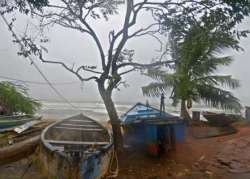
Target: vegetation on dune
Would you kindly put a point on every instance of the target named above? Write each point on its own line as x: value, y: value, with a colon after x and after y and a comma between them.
x: 198, y: 57
x: 14, y: 99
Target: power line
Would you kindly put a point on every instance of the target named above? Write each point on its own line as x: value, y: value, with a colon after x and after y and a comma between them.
x: 37, y: 82
x: 35, y: 65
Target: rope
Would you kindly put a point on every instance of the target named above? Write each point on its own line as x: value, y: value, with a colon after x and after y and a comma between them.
x: 35, y: 65
x: 37, y: 82
x: 114, y: 173
x: 27, y: 168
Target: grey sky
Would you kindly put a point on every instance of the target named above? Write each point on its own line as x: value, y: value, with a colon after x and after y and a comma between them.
x: 76, y: 48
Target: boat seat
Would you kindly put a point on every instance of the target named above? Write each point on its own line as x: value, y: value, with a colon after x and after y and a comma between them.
x: 78, y: 125
x: 80, y: 129
x: 78, y: 120
x: 76, y: 142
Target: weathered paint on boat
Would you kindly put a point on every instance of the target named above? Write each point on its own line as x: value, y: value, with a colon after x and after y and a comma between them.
x: 60, y: 161
x: 140, y: 111
x: 153, y: 130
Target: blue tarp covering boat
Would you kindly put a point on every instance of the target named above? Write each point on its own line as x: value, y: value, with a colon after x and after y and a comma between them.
x: 154, y: 130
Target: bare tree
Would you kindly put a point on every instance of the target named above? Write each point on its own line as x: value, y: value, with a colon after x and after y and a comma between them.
x: 116, y: 61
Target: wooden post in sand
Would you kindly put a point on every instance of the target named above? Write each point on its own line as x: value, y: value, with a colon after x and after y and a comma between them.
x: 196, y: 116
x: 247, y: 113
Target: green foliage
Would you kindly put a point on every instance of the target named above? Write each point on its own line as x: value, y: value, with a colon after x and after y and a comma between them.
x: 238, y: 8
x: 14, y: 99
x: 23, y: 6
x: 222, y: 14
x: 197, y: 61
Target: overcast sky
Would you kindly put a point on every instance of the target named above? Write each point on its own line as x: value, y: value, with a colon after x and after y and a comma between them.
x: 76, y: 48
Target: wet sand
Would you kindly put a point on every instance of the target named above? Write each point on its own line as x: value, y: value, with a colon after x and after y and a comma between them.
x: 196, y: 160
x: 23, y: 169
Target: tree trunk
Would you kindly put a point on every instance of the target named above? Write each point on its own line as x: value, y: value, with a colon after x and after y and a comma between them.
x: 184, y: 113
x: 114, y: 119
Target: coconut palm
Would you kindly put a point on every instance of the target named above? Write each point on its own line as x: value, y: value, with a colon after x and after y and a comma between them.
x: 14, y: 99
x: 194, y: 78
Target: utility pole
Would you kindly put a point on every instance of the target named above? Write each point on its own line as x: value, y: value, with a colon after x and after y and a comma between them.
x: 162, y: 106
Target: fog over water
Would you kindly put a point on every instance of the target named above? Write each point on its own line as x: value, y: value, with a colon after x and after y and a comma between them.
x: 76, y: 48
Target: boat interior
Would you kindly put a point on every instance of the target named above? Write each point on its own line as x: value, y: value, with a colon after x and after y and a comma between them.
x: 76, y: 134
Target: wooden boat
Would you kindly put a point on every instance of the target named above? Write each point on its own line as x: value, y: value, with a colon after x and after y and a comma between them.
x: 15, y: 146
x: 14, y: 116
x: 77, y: 148
x: 221, y: 119
x: 18, y: 151
x: 7, y: 122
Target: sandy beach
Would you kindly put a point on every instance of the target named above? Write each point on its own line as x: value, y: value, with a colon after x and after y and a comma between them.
x: 197, y: 159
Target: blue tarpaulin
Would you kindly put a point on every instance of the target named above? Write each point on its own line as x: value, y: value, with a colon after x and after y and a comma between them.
x: 152, y: 129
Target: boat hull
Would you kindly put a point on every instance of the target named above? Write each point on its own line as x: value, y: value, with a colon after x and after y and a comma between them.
x: 10, y: 123
x: 220, y: 119
x: 19, y: 150
x: 53, y: 165
x: 56, y: 163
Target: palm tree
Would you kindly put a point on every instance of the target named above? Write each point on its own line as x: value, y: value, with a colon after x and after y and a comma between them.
x: 14, y: 99
x: 194, y: 78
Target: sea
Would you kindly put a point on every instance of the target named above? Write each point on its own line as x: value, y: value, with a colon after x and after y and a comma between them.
x: 60, y: 110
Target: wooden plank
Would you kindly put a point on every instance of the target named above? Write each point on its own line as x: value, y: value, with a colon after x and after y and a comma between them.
x: 80, y: 129
x: 76, y: 142
x: 26, y: 126
x: 58, y: 148
x: 80, y: 120
x: 247, y: 113
x: 79, y: 125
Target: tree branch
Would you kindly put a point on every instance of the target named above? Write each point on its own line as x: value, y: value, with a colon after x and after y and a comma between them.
x: 144, y: 31
x: 68, y: 68
x: 139, y: 65
x: 124, y: 31
x: 128, y: 71
x: 87, y: 69
x: 91, y: 32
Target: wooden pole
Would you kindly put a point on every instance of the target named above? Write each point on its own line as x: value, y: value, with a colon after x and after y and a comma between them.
x: 247, y: 113
x: 196, y: 116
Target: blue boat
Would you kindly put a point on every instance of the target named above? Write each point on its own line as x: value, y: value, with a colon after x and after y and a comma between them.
x: 76, y: 147
x: 10, y: 122
x: 152, y: 129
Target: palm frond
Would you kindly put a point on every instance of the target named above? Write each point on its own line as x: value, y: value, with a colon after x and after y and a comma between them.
x: 156, y: 74
x: 14, y: 98
x: 220, y: 40
x: 224, y: 61
x: 226, y: 81
x: 208, y: 65
x: 170, y: 80
x: 219, y: 80
x: 155, y: 89
x: 216, y: 97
